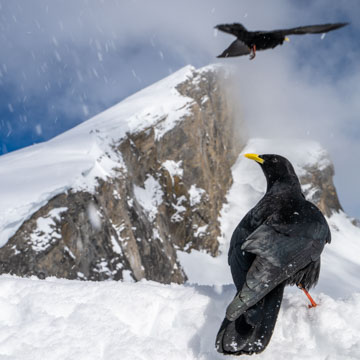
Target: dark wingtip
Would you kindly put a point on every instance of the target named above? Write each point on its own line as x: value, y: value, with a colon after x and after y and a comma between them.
x: 223, y: 55
x: 340, y: 25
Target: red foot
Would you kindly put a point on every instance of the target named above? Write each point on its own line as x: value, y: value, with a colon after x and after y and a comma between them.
x: 253, y: 52
x: 313, y: 303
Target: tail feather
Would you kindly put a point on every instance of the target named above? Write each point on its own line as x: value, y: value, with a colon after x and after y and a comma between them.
x: 252, y: 331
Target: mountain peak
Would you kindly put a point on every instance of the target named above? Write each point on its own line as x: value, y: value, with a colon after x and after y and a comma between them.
x: 80, y: 156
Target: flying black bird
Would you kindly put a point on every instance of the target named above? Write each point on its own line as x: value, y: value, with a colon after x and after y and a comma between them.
x: 277, y: 243
x: 248, y: 42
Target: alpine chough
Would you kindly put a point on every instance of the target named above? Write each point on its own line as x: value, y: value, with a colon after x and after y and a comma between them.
x: 248, y: 42
x: 277, y: 243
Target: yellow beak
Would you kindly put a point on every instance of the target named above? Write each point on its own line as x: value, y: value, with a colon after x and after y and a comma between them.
x: 255, y: 157
x: 286, y: 39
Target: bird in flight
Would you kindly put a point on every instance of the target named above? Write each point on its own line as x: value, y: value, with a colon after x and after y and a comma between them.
x: 277, y: 243
x: 248, y: 42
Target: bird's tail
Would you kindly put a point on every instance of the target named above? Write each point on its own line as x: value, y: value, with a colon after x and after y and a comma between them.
x: 251, y: 332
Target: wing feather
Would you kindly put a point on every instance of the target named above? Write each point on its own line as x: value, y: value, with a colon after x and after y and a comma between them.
x: 236, y: 48
x: 278, y: 257
x: 311, y: 29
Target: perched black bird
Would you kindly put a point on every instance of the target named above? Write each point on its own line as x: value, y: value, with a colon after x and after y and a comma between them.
x: 248, y: 42
x: 277, y: 243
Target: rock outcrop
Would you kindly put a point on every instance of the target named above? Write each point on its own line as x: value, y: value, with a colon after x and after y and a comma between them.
x: 320, y: 189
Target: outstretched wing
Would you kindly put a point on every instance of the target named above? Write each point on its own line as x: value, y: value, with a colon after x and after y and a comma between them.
x: 236, y: 48
x: 311, y: 29
x: 278, y: 257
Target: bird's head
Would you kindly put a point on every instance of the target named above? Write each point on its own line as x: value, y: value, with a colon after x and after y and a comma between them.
x: 276, y: 168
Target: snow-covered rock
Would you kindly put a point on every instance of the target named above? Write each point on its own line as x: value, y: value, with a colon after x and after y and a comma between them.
x: 147, y: 176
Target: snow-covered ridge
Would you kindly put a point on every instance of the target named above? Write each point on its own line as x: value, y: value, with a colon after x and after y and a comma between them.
x: 75, y: 159
x: 62, y: 319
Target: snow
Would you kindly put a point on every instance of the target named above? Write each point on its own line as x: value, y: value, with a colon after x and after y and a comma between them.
x: 115, y: 246
x: 46, y: 232
x: 77, y: 158
x: 61, y: 319
x: 201, y: 231
x: 149, y: 197
x: 173, y: 168
x: 217, y: 270
x: 340, y: 260
x: 179, y: 209
x: 196, y: 194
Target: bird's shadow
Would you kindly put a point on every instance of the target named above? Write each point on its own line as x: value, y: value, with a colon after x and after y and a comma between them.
x: 203, y: 342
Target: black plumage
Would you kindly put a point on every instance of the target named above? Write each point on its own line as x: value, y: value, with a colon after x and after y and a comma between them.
x: 248, y: 42
x: 277, y: 243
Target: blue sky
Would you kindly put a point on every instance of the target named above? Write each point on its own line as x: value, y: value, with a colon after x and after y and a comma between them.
x: 63, y: 62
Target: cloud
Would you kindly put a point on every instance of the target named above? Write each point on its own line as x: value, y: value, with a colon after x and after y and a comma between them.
x: 281, y: 98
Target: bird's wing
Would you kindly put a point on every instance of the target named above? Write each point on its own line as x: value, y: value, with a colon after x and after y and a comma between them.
x: 311, y: 29
x: 236, y: 48
x: 239, y: 260
x: 278, y: 256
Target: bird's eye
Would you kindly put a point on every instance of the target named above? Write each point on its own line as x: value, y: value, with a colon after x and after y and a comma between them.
x: 274, y: 160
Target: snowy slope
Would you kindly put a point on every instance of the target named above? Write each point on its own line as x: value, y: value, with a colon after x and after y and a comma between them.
x: 61, y: 319
x: 74, y: 159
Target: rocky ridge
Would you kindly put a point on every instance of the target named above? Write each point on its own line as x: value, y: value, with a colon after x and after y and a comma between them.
x: 166, y: 195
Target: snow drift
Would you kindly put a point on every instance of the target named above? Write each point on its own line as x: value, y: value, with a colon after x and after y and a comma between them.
x: 62, y: 319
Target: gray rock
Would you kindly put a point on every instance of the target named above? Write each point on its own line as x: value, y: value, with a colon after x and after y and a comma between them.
x: 321, y: 190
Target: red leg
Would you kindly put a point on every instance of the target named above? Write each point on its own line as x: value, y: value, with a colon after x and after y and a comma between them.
x: 253, y: 52
x: 313, y: 303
